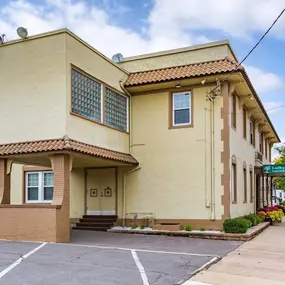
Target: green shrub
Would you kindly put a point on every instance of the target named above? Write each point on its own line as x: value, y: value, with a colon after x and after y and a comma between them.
x: 142, y: 227
x: 134, y: 227
x: 253, y: 218
x: 202, y: 229
x: 187, y: 228
x: 237, y: 225
x: 261, y: 218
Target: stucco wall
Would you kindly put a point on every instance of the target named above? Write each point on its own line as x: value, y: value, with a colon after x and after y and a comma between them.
x: 174, y: 179
x: 98, y: 67
x: 17, y: 184
x: 178, y: 58
x: 244, y: 153
x: 77, y: 193
x: 33, y: 101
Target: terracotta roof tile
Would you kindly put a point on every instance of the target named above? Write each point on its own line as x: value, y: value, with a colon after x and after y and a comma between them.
x: 63, y: 144
x: 181, y: 72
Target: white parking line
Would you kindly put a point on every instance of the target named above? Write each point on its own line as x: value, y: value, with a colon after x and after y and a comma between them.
x: 18, y: 261
x: 195, y: 283
x: 140, y: 267
x: 206, y: 265
x: 138, y: 250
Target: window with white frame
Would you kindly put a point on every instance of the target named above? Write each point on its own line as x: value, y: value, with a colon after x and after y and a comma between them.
x: 181, y: 108
x: 39, y: 187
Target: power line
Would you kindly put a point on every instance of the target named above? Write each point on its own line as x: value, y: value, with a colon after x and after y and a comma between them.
x: 249, y: 53
x: 267, y: 110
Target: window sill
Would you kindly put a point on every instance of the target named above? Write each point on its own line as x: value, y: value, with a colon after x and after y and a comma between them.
x: 180, y: 127
x: 245, y: 202
x: 234, y: 202
x: 98, y: 123
x: 31, y: 205
x: 234, y: 128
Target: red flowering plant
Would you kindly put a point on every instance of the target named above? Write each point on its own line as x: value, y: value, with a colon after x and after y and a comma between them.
x: 271, y: 209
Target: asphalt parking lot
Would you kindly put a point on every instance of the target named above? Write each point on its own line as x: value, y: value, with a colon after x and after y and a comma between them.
x: 107, y: 258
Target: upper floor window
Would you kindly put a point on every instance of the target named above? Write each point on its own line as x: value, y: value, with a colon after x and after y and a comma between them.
x: 86, y: 96
x: 94, y: 101
x: 252, y: 131
x: 261, y: 138
x: 244, y: 122
x: 234, y: 110
x: 39, y: 187
x: 116, y: 109
x: 181, y: 109
x: 266, y: 147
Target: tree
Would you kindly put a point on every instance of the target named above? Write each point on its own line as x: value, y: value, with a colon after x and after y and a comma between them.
x: 280, y: 181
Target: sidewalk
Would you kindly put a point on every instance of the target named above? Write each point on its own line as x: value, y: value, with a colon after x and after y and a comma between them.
x: 258, y: 262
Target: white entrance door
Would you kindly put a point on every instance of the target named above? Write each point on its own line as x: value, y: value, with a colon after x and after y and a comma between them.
x: 101, y: 191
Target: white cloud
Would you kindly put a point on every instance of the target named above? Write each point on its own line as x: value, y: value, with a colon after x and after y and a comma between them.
x: 263, y: 81
x: 90, y: 22
x: 238, y: 18
x: 170, y: 24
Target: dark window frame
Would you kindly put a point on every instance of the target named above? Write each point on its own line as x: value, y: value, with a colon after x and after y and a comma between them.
x: 234, y: 111
x: 244, y: 122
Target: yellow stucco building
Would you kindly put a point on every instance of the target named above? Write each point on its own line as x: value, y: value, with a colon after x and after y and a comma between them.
x: 175, y: 137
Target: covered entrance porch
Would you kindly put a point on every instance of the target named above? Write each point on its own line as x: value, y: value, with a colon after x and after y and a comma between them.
x: 265, y: 185
x: 86, y: 180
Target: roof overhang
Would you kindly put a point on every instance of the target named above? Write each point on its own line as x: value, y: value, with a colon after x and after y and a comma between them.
x: 167, y: 79
x: 32, y: 150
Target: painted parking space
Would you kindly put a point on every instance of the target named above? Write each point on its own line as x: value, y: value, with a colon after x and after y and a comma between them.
x: 108, y: 261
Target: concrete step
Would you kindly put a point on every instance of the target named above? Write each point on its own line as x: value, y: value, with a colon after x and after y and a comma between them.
x: 95, y: 224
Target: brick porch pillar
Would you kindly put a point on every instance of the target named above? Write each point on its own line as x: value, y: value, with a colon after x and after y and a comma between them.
x: 4, y: 182
x: 60, y: 165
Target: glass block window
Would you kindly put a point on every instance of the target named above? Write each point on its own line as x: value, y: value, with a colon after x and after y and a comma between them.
x: 116, y: 110
x: 39, y: 187
x: 86, y: 96
x: 181, y: 108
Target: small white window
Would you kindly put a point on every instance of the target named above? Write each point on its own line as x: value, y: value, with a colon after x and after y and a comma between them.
x: 181, y: 109
x: 39, y: 187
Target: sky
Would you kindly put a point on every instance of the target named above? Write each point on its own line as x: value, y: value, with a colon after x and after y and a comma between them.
x: 134, y: 27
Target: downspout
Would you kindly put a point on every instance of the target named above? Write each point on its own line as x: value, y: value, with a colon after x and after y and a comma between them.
x: 130, y: 144
x: 125, y: 192
x: 212, y: 156
x: 206, y: 162
x: 129, y: 114
x: 213, y: 214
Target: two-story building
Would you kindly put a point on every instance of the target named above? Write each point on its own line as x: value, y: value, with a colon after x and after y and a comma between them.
x: 175, y: 137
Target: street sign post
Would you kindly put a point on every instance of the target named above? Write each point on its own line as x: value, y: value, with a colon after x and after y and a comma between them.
x: 274, y: 169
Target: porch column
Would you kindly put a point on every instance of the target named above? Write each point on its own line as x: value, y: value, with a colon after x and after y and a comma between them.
x: 4, y: 182
x: 60, y: 166
x: 262, y: 189
x: 271, y: 190
x: 267, y: 190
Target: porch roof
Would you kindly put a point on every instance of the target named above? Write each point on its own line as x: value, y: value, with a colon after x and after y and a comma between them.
x: 64, y: 144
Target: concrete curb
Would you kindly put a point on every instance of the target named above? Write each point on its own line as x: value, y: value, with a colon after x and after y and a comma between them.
x: 251, y: 234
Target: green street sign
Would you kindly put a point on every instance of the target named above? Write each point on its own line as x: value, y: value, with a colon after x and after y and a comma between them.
x: 274, y: 169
